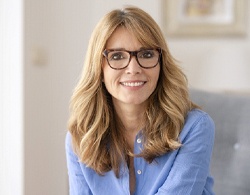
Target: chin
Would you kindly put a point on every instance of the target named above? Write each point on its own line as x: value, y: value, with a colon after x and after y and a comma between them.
x: 136, y: 102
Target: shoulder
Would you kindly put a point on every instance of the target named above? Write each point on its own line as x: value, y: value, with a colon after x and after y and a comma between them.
x: 196, y: 115
x: 68, y: 139
x: 68, y: 144
x: 198, y: 124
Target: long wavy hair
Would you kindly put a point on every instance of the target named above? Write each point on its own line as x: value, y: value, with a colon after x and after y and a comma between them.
x: 94, y: 125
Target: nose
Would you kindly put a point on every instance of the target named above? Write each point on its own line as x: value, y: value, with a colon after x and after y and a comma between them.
x: 133, y: 67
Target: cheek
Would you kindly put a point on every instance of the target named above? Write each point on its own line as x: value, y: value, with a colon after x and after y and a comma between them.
x: 105, y: 72
x: 110, y: 76
x: 155, y: 75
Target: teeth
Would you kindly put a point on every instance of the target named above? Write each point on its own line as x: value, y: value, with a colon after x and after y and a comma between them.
x: 134, y: 84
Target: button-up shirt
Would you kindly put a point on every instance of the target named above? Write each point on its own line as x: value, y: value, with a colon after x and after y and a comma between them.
x: 184, y: 171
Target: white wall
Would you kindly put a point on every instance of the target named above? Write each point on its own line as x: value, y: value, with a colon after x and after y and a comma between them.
x: 56, y: 35
x: 11, y: 97
x: 216, y: 63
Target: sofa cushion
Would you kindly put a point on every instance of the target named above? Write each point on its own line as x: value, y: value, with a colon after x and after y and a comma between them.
x: 230, y: 165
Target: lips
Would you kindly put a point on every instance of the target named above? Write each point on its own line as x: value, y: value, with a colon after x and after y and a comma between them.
x: 133, y: 84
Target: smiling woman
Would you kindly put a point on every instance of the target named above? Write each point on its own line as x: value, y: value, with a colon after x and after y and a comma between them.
x: 133, y: 128
x: 136, y: 78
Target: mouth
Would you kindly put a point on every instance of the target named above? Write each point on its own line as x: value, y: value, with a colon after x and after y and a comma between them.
x: 133, y: 84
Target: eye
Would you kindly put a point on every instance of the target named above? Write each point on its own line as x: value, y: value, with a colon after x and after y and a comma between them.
x: 146, y: 54
x: 117, y: 55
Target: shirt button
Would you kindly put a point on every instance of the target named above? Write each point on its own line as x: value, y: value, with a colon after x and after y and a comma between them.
x: 139, y: 172
x: 138, y: 140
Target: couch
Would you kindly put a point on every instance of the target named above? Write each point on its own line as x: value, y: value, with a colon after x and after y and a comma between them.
x: 230, y: 164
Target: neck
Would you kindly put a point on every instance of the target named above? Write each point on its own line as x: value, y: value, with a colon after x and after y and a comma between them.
x: 131, y: 116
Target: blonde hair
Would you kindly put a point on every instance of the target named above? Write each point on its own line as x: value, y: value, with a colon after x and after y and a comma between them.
x: 93, y: 124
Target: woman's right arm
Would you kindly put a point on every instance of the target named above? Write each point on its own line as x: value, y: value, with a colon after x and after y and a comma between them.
x: 77, y: 182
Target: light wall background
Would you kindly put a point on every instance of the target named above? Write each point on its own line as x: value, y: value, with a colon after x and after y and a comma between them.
x: 55, y: 39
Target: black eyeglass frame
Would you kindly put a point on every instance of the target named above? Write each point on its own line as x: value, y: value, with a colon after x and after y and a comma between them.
x: 131, y: 54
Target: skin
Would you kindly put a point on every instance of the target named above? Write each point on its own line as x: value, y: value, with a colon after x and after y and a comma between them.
x: 129, y: 100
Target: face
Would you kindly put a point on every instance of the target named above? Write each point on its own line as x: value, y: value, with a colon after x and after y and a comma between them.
x: 134, y: 84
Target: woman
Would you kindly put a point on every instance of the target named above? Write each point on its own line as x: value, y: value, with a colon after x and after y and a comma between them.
x: 133, y: 128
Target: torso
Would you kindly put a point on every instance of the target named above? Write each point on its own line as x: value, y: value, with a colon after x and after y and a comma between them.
x: 132, y: 180
x: 130, y: 135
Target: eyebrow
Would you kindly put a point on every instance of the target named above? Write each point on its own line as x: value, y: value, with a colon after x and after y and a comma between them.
x: 120, y: 48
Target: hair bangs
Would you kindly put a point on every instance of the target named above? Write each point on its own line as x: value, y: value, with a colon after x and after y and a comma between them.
x: 142, y: 32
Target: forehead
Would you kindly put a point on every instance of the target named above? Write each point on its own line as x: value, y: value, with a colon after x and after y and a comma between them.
x: 122, y: 38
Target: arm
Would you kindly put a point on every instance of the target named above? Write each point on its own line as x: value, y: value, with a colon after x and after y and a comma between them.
x: 77, y: 183
x: 189, y: 174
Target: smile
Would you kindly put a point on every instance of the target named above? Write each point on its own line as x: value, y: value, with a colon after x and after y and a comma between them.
x: 132, y: 84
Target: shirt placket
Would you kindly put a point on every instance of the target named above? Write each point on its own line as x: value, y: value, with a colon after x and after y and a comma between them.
x: 138, y: 163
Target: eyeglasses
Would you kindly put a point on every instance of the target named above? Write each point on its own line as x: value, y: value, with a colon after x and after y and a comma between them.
x: 120, y: 58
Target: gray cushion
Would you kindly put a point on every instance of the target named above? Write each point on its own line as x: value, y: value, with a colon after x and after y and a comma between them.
x: 230, y: 165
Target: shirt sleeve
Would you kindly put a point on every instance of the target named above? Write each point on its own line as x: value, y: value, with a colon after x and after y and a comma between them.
x: 189, y: 174
x: 77, y: 182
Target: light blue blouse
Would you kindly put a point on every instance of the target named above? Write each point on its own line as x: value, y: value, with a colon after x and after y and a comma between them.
x: 182, y: 172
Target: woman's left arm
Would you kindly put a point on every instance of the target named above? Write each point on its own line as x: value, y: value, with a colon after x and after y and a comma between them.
x: 189, y: 174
